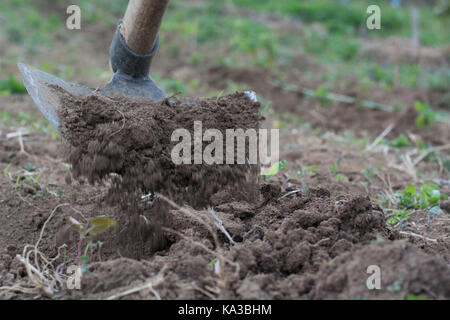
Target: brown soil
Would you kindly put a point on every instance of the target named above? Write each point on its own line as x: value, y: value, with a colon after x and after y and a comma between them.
x: 283, y: 245
x: 311, y: 244
x: 314, y: 244
x: 307, y: 246
x: 132, y: 139
x: 128, y: 144
x: 404, y: 270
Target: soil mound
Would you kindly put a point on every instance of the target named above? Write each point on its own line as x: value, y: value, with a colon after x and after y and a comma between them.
x: 405, y: 271
x: 300, y: 246
x: 277, y: 246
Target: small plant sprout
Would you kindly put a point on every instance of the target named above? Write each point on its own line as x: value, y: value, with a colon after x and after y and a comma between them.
x: 370, y: 174
x: 16, y: 186
x: 30, y: 167
x: 426, y: 115
x: 321, y: 94
x: 400, y: 142
x: 5, y: 171
x: 307, y: 171
x: 397, y: 216
x: 87, y: 231
x: 335, y: 171
x: 214, y: 264
x: 274, y: 169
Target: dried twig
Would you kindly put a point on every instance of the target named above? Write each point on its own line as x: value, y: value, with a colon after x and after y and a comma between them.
x: 208, y: 226
x: 289, y: 194
x: 380, y: 137
x: 19, y: 135
x: 147, y: 286
x: 42, y: 280
x: 408, y: 233
x: 219, y: 224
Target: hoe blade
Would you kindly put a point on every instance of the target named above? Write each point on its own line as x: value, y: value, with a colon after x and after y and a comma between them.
x: 38, y: 86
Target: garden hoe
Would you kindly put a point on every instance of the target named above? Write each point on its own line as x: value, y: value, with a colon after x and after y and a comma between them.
x: 132, y: 49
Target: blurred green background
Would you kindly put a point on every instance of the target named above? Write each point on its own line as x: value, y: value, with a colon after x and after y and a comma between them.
x: 280, y: 36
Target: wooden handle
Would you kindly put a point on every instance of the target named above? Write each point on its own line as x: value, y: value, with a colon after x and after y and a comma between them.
x: 141, y: 23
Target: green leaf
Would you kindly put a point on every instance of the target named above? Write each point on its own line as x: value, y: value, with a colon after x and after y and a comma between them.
x: 100, y: 225
x: 5, y: 171
x: 85, y: 259
x: 29, y: 167
x: 277, y: 167
x: 426, y: 115
x: 400, y: 142
x: 397, y: 216
x: 17, y: 183
x: 410, y: 190
x: 334, y: 169
x: 392, y: 221
x: 212, y: 262
x: 408, y: 198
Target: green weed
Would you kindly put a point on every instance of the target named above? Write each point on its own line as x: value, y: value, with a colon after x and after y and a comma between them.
x: 275, y: 169
x: 11, y: 86
x: 427, y: 197
x: 426, y: 115
x: 308, y: 171
x: 339, y: 176
x: 400, y: 142
x: 397, y: 216
x: 5, y: 171
x: 88, y: 230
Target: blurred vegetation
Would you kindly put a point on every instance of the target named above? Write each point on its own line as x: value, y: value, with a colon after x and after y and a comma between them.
x: 23, y: 23
x: 11, y: 86
x: 238, y: 33
x: 341, y: 17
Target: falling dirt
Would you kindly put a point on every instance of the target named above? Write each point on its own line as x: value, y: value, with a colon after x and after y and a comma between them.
x: 129, y: 144
x: 134, y: 140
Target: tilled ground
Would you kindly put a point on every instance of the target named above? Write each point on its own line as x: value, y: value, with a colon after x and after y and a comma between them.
x: 304, y: 235
x: 286, y: 242
x: 299, y: 246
